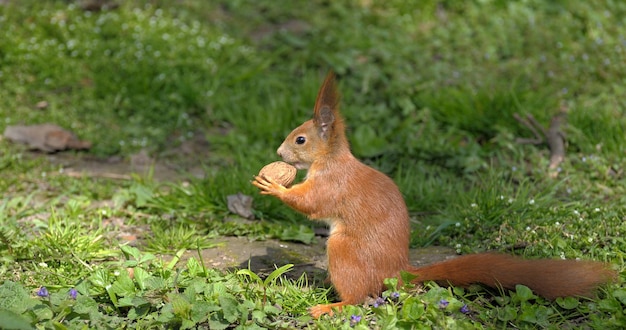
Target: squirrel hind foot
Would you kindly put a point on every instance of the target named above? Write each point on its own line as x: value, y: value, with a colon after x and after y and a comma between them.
x: 319, y: 310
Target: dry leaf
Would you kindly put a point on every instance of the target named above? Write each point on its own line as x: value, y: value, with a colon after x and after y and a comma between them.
x: 45, y: 137
x: 241, y: 205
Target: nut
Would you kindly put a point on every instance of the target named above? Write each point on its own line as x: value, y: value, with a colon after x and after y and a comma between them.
x: 282, y: 172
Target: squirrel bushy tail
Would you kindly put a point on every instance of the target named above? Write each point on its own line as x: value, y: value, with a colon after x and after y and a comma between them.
x: 548, y: 278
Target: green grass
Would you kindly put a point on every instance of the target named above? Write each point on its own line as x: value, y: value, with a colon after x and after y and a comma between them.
x: 429, y: 92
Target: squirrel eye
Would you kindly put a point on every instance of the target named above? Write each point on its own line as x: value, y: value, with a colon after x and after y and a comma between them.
x: 300, y: 140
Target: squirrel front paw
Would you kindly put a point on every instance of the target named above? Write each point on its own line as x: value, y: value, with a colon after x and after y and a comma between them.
x: 268, y: 186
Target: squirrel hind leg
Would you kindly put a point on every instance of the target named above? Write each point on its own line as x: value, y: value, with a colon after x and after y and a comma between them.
x: 319, y: 310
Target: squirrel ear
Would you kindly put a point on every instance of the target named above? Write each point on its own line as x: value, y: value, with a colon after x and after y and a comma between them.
x: 324, y: 121
x: 326, y: 105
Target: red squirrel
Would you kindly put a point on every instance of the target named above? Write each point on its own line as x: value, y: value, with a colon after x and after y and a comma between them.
x: 369, y: 223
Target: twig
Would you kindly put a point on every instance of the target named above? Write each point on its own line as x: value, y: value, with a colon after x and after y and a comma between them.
x: 529, y: 124
x: 556, y: 140
x: 553, y: 136
x: 115, y: 176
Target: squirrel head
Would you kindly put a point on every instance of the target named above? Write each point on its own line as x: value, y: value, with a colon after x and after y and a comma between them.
x: 320, y: 138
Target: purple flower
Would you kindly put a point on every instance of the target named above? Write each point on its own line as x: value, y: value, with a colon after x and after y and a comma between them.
x: 443, y: 303
x: 43, y: 292
x: 354, y: 319
x: 464, y: 309
x: 395, y: 295
x: 73, y: 293
x: 379, y: 301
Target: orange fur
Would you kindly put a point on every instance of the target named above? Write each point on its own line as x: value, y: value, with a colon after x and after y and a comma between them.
x: 369, y: 222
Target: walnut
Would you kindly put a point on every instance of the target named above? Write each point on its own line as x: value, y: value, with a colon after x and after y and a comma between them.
x: 282, y: 172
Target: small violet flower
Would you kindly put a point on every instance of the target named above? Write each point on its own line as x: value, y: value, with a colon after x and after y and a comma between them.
x: 379, y: 301
x: 354, y: 319
x: 464, y: 309
x: 443, y: 303
x: 43, y: 292
x: 73, y: 293
x: 395, y: 295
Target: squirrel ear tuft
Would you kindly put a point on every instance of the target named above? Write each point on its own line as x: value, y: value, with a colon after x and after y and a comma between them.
x: 326, y: 106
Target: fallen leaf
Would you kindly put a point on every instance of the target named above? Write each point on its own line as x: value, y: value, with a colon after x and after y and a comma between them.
x: 45, y: 137
x: 41, y: 105
x: 240, y: 204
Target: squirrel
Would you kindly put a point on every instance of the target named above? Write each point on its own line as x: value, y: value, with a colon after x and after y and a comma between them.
x: 369, y: 223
